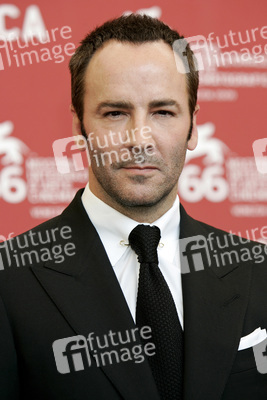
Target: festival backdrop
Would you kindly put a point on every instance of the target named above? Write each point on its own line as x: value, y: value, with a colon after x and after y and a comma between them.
x: 224, y: 182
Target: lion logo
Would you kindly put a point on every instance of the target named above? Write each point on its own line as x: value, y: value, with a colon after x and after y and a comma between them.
x: 12, y: 149
x: 213, y: 150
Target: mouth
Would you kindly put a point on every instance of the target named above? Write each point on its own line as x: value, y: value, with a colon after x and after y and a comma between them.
x: 139, y: 170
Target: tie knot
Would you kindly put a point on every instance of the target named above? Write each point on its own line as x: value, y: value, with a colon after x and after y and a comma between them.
x: 144, y: 240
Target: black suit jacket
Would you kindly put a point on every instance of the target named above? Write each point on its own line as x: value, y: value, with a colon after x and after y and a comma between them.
x: 41, y: 302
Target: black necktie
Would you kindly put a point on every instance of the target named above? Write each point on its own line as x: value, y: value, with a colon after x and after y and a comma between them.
x: 155, y: 308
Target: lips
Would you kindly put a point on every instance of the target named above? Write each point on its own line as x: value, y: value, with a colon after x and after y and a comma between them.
x: 140, y: 168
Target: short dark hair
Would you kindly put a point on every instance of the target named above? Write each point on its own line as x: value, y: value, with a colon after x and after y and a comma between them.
x: 134, y: 29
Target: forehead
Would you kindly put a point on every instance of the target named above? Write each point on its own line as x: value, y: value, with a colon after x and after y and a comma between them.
x: 126, y: 67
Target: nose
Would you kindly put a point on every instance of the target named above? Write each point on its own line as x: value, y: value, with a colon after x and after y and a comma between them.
x: 139, y: 132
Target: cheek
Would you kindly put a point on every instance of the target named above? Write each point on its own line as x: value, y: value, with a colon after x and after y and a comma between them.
x: 173, y: 155
x: 172, y: 144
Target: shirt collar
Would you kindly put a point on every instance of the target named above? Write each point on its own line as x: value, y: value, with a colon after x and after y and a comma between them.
x: 114, y: 227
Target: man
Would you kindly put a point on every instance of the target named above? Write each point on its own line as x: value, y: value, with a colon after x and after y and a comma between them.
x: 136, y: 107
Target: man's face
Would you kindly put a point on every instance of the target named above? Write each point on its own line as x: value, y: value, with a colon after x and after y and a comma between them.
x: 127, y: 88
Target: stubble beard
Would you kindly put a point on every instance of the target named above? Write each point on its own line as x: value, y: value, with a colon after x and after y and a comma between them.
x: 115, y: 190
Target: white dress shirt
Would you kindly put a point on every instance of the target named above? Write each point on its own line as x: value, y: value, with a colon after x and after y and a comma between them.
x: 114, y: 228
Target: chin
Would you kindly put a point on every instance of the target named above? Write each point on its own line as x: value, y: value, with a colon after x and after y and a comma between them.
x: 139, y: 201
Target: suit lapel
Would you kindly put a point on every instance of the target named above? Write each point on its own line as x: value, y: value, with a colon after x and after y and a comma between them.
x: 87, y: 293
x: 215, y: 301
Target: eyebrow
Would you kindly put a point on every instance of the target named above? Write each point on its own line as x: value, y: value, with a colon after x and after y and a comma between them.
x: 114, y: 104
x: 129, y: 106
x: 164, y: 103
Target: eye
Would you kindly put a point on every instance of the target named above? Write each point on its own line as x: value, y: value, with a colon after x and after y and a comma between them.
x: 113, y: 114
x: 165, y: 113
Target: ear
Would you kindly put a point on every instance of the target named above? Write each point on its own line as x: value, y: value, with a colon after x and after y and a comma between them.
x: 76, y: 130
x: 76, y: 124
x: 192, y: 142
